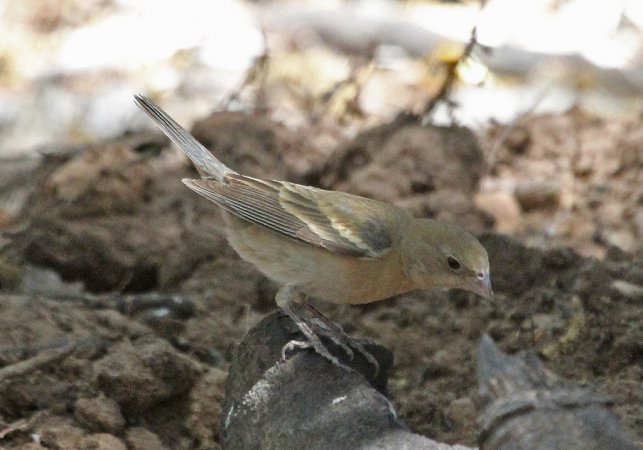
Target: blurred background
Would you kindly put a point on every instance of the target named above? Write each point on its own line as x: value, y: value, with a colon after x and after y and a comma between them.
x: 68, y: 67
x: 329, y: 69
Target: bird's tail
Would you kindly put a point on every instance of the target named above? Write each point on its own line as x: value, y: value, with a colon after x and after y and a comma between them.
x: 207, y: 165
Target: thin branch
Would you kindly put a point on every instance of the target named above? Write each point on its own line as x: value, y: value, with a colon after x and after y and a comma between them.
x: 40, y: 361
x: 452, y: 74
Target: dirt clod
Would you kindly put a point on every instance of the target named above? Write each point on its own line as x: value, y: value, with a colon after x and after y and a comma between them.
x: 100, y: 441
x: 138, y: 438
x: 143, y: 373
x: 99, y: 414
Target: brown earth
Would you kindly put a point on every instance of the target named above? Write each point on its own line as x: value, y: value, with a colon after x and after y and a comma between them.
x: 121, y: 302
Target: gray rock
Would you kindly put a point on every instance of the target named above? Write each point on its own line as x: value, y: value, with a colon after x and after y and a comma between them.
x: 524, y: 406
x: 307, y: 402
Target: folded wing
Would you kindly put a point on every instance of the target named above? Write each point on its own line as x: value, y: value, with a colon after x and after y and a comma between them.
x: 339, y: 222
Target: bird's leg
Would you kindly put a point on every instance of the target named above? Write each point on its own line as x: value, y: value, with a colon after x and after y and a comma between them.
x: 285, y: 298
x: 336, y: 333
x: 330, y: 329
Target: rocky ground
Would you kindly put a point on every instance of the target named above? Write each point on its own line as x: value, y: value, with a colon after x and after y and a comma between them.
x: 121, y: 302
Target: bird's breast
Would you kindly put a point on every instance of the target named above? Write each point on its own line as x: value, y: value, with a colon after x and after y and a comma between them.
x: 317, y: 271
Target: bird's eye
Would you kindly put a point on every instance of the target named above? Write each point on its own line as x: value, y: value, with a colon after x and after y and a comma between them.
x: 453, y: 263
x: 480, y: 275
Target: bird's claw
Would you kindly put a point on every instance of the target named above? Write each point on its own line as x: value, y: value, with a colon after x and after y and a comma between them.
x: 336, y: 334
x: 319, y: 326
x: 318, y: 347
x: 293, y: 345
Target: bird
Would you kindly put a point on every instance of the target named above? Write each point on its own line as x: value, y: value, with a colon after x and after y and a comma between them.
x: 330, y: 245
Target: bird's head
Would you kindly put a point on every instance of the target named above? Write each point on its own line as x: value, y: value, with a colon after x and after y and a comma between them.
x: 440, y: 255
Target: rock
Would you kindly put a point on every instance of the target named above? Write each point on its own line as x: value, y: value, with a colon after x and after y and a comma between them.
x: 524, y: 406
x: 143, y: 373
x: 30, y: 446
x: 36, y: 389
x: 99, y: 414
x: 100, y: 441
x: 462, y: 411
x: 139, y: 438
x: 541, y: 195
x: 93, y: 216
x: 38, y: 280
x: 629, y: 290
x: 518, y: 139
x: 58, y: 432
x: 110, y: 179
x: 307, y: 402
x: 503, y: 207
x: 206, y: 399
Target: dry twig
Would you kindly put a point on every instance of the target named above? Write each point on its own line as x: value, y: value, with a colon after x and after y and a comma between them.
x: 40, y: 361
x: 447, y: 86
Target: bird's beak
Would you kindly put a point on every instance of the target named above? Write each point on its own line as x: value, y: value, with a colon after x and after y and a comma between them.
x: 482, y: 286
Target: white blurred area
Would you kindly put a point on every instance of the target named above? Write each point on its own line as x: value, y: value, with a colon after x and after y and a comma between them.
x: 69, y: 68
x: 73, y: 81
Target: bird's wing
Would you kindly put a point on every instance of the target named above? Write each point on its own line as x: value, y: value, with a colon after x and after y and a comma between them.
x: 341, y: 223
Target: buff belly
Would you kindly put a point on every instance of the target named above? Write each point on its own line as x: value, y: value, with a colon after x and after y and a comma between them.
x: 316, y: 271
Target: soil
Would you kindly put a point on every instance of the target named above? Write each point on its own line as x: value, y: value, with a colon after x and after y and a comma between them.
x: 121, y: 301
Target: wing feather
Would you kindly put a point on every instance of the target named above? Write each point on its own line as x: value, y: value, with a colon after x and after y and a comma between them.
x: 341, y: 223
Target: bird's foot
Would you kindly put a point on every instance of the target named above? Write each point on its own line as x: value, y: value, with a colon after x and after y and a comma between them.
x: 335, y: 332
x: 321, y: 327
